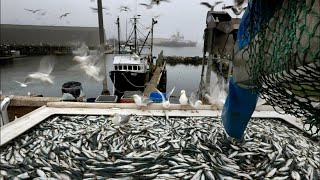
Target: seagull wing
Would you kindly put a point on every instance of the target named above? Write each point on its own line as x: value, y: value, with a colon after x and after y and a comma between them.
x: 46, y: 64
x: 147, y: 5
x: 145, y: 100
x: 192, y: 99
x: 124, y: 119
x: 206, y: 4
x: 170, y: 93
x: 218, y: 2
x: 227, y: 7
x: 163, y: 99
x: 28, y: 10
x: 239, y: 2
x: 94, y: 9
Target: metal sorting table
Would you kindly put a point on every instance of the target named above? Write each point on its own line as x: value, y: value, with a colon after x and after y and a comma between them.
x: 228, y: 160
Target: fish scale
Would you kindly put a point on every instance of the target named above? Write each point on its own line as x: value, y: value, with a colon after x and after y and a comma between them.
x: 76, y: 147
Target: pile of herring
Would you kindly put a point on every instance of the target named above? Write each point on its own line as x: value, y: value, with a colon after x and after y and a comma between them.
x: 92, y: 147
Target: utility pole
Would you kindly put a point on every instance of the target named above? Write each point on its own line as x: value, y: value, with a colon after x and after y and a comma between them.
x: 102, y: 43
x: 100, y: 17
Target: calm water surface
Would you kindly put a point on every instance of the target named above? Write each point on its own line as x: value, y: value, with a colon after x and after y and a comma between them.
x: 185, y: 77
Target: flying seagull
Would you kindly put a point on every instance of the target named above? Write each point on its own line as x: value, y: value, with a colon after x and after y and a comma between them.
x: 237, y: 10
x: 96, y: 9
x: 148, y: 6
x: 157, y: 2
x: 194, y: 102
x: 22, y: 84
x: 124, y: 8
x: 43, y: 75
x: 183, y: 100
x: 166, y: 104
x: 90, y: 64
x: 33, y: 11
x: 211, y: 6
x: 64, y: 15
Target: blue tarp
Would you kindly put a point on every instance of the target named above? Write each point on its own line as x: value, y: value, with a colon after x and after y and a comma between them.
x: 238, y: 109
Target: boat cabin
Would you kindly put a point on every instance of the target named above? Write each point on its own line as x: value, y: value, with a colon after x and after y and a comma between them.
x: 132, y: 63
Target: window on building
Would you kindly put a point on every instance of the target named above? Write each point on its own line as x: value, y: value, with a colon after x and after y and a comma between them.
x: 116, y: 68
x: 129, y: 67
x: 125, y: 67
x: 135, y: 67
x: 120, y: 68
x: 139, y: 67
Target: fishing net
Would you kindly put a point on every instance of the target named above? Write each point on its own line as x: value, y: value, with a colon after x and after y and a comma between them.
x: 283, y: 58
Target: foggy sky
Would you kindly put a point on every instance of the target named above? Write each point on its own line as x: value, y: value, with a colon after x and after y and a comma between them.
x: 185, y: 16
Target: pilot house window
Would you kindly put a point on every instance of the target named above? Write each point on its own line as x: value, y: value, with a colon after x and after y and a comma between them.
x: 120, y: 68
x: 124, y: 67
x: 129, y: 67
x: 135, y: 67
x: 115, y: 67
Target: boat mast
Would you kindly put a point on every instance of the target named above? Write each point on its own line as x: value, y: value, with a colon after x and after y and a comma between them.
x: 152, y: 25
x: 135, y: 34
x: 118, y: 23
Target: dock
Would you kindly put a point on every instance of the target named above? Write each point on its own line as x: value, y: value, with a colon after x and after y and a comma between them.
x: 158, y: 75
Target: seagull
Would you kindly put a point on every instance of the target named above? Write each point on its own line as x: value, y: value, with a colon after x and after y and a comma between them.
x: 166, y: 104
x: 124, y: 8
x: 217, y: 94
x: 120, y: 119
x: 211, y: 6
x: 3, y: 111
x: 33, y: 11
x: 91, y: 65
x: 157, y: 2
x: 64, y: 15
x: 148, y: 6
x: 239, y: 2
x: 183, y: 98
x: 194, y: 102
x: 22, y: 84
x: 46, y: 66
x: 237, y: 10
x: 141, y: 100
x: 96, y: 9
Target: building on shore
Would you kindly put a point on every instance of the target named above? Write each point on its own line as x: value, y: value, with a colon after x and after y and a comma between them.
x: 33, y: 40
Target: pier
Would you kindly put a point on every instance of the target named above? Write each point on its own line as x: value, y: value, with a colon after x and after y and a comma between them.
x: 158, y: 79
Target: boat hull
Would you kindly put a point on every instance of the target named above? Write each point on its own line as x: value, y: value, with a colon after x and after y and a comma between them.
x: 128, y: 81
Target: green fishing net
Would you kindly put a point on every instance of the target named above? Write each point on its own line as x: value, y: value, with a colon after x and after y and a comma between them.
x: 284, y: 59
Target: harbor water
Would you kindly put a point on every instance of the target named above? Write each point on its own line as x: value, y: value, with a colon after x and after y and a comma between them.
x: 185, y: 77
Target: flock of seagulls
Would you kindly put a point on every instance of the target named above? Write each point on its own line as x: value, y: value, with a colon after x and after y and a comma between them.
x: 44, y: 12
x: 91, y: 64
x: 183, y: 100
x: 236, y: 8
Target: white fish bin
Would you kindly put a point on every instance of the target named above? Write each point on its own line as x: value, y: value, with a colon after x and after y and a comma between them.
x: 65, y: 140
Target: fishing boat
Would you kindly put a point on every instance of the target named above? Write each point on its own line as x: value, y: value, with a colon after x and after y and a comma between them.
x: 131, y: 65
